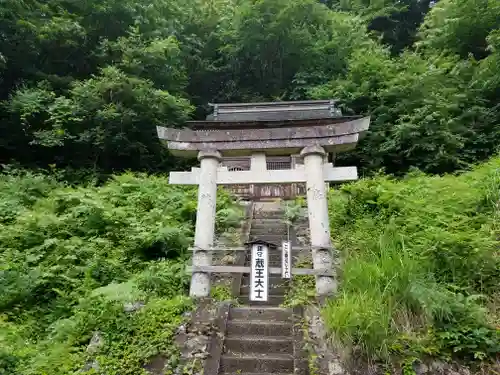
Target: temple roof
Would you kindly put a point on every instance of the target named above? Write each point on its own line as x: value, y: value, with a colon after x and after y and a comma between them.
x: 334, y: 137
x: 280, y: 128
x: 250, y: 114
x: 263, y: 124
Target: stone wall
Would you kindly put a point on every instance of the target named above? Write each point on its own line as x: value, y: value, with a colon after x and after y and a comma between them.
x: 195, y: 339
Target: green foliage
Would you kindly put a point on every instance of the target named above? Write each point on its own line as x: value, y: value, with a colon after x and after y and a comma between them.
x: 277, y: 48
x: 96, y: 80
x: 19, y: 191
x: 221, y: 293
x: 460, y: 27
x: 420, y: 264
x: 113, y: 113
x: 128, y: 339
x: 79, y: 260
x: 396, y: 22
x: 84, y: 85
x: 303, y: 289
x: 425, y: 114
x: 166, y: 278
x: 294, y: 210
x: 229, y: 215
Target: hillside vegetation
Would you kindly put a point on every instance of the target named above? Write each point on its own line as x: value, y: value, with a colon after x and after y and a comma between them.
x: 421, y: 266
x: 93, y: 262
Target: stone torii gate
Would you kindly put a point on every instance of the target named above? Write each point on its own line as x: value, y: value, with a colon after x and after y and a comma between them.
x: 311, y: 128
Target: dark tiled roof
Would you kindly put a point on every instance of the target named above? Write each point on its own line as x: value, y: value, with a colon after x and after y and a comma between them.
x: 261, y: 124
x: 273, y: 111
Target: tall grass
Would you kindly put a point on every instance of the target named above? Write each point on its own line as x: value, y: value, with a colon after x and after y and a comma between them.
x: 420, y: 263
x: 74, y: 259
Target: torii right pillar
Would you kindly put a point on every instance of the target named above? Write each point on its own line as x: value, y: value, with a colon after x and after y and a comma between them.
x: 319, y: 223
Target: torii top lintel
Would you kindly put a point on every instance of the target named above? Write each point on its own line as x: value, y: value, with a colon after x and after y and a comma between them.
x: 278, y: 128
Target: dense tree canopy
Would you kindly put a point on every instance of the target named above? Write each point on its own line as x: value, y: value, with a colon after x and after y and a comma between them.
x: 83, y: 84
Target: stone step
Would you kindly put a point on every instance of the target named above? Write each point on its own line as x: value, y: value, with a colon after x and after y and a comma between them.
x: 269, y: 214
x: 277, y: 236
x: 258, y: 328
x: 266, y: 363
x: 268, y: 230
x: 269, y: 227
x: 273, y: 256
x: 276, y: 314
x: 259, y: 344
x: 273, y: 280
x: 271, y: 222
x: 258, y: 233
x: 275, y: 239
x: 275, y: 222
x: 275, y: 263
x: 276, y: 290
x: 272, y: 300
x: 253, y: 373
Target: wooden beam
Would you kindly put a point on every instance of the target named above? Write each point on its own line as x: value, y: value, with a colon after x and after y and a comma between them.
x: 244, y: 269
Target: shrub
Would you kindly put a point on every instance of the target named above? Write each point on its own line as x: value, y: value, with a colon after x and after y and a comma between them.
x: 19, y: 190
x: 74, y: 260
x: 420, y: 261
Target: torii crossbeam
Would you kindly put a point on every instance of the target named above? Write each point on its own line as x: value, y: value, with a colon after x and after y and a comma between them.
x: 281, y: 176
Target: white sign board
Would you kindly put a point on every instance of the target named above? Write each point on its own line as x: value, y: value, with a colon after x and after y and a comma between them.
x: 286, y: 260
x: 259, y: 277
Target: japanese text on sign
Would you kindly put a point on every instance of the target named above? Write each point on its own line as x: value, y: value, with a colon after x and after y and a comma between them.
x: 286, y: 259
x: 259, y: 275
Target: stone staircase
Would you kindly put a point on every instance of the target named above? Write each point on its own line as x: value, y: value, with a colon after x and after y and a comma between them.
x: 263, y: 338
x: 267, y: 225
x: 259, y: 340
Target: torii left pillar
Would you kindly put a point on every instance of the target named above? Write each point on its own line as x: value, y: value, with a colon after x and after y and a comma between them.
x: 205, y: 221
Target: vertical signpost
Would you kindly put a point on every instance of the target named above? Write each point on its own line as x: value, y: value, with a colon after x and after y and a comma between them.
x: 286, y: 256
x: 259, y: 277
